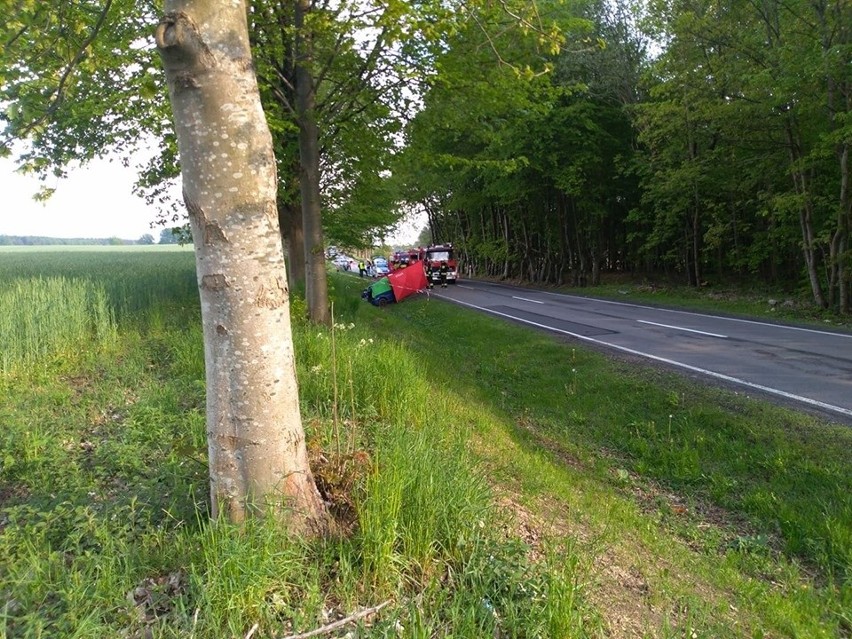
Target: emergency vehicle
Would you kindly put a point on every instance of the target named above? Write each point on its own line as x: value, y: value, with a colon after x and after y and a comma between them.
x: 432, y: 257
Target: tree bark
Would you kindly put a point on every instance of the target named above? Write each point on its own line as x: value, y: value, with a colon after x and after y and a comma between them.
x: 309, y: 175
x: 256, y: 443
x: 293, y: 235
x: 805, y: 215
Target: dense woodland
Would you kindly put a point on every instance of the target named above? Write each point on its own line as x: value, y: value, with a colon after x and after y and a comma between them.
x: 551, y: 142
x: 705, y: 140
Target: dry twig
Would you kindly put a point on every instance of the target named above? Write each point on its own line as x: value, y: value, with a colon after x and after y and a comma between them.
x: 355, y: 616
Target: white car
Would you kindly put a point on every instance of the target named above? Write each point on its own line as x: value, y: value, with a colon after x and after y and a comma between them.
x: 380, y: 267
x: 341, y: 262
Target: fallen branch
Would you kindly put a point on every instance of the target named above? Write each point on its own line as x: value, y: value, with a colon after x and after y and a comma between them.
x: 355, y: 616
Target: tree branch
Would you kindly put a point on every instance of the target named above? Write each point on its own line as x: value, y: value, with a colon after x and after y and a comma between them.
x: 56, y: 96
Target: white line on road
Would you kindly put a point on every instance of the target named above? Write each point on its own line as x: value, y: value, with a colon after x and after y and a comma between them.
x: 681, y: 328
x: 718, y: 317
x: 515, y: 297
x: 727, y: 378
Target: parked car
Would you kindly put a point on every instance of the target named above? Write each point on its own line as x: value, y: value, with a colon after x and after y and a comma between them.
x: 380, y: 267
x: 341, y: 262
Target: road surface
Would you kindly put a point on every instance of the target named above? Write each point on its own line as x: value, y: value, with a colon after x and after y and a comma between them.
x: 805, y: 366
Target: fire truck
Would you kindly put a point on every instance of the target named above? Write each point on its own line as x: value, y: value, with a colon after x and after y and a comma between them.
x: 432, y: 257
x: 401, y: 259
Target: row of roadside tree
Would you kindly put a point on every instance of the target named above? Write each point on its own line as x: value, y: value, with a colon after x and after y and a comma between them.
x: 706, y: 140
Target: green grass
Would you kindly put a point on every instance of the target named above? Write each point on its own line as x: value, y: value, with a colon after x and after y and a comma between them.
x: 787, y: 472
x: 46, y: 318
x: 103, y: 505
x: 135, y: 279
x: 415, y: 438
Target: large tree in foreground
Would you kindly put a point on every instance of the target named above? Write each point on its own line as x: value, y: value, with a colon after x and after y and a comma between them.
x: 255, y: 437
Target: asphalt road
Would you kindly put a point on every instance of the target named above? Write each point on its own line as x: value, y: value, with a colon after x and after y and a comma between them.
x: 803, y: 366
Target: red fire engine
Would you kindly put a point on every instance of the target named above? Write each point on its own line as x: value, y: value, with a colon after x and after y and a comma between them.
x: 432, y: 257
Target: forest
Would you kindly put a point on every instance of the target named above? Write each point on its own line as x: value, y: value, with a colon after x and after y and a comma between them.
x: 704, y: 140
x: 552, y: 142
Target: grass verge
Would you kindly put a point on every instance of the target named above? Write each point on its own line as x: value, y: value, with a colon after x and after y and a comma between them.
x: 763, y: 490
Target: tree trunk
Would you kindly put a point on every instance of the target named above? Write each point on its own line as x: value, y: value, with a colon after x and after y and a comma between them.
x: 309, y: 174
x: 256, y: 443
x: 293, y: 235
x: 506, y: 261
x: 805, y: 216
x: 840, y: 242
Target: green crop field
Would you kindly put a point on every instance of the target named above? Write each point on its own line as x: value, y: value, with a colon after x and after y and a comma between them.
x: 53, y: 301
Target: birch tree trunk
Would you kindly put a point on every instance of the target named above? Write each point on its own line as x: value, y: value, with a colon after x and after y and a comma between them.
x: 255, y: 438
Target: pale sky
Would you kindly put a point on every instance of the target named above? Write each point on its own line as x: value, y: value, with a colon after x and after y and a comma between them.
x: 96, y: 201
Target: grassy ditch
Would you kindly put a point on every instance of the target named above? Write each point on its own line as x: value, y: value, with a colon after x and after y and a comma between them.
x: 487, y: 480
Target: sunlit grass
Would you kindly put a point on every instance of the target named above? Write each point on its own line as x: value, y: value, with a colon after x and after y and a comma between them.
x: 135, y: 279
x: 103, y: 478
x: 414, y: 434
x: 42, y: 319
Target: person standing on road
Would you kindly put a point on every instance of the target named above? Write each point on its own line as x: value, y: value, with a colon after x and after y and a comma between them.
x: 442, y: 273
x: 361, y: 268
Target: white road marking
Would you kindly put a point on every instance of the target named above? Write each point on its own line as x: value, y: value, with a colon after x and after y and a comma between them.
x: 718, y: 317
x: 515, y: 297
x: 681, y: 328
x: 727, y: 378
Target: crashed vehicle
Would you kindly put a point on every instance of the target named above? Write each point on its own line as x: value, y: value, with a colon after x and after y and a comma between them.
x: 396, y: 286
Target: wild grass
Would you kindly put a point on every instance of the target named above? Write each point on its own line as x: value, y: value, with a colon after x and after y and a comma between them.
x: 414, y: 435
x: 104, y: 528
x: 135, y: 279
